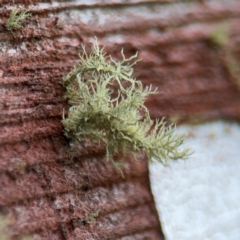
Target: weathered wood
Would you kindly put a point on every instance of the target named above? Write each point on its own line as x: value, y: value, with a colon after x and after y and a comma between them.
x: 45, y: 191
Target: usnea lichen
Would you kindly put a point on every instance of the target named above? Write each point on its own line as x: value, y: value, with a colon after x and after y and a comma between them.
x: 107, y: 106
x: 17, y: 18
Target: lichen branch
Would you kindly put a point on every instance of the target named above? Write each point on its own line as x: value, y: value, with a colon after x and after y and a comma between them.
x: 17, y: 18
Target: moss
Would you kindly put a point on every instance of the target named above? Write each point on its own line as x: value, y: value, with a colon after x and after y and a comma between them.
x: 16, y: 19
x: 107, y: 106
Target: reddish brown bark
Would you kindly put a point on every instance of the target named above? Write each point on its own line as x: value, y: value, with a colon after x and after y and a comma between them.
x: 44, y: 190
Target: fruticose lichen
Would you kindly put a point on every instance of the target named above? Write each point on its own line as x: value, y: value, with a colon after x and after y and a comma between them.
x: 17, y: 18
x: 91, y: 217
x: 107, y: 106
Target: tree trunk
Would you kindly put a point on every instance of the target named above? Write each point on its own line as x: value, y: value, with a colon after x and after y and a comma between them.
x: 47, y: 191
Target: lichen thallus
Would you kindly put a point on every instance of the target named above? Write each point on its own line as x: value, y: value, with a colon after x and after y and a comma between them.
x: 116, y: 117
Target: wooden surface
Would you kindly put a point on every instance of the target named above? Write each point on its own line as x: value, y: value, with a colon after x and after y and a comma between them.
x: 44, y: 190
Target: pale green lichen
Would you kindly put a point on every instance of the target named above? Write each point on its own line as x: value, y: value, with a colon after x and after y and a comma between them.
x: 91, y: 217
x: 220, y: 38
x: 17, y: 18
x: 220, y: 35
x: 107, y: 106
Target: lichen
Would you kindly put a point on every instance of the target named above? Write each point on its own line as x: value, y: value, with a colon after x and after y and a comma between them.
x: 107, y: 106
x: 220, y: 35
x: 220, y: 38
x: 16, y: 19
x: 91, y: 217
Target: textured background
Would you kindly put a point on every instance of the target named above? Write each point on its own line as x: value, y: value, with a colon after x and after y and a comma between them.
x: 44, y: 191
